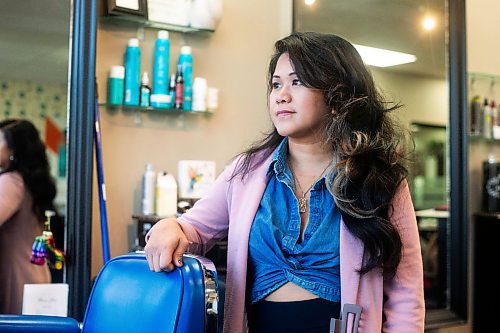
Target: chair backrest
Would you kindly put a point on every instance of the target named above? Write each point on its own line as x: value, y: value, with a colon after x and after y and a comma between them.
x: 128, y: 297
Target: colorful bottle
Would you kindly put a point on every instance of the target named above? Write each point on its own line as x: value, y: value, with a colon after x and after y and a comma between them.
x: 115, y: 85
x: 186, y: 62
x: 171, y: 91
x: 161, y: 63
x: 145, y: 90
x: 495, y: 120
x: 179, y: 88
x: 148, y: 190
x: 476, y: 116
x: 487, y: 125
x: 132, y: 72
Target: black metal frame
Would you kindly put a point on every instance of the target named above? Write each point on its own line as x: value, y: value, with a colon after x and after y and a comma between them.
x: 458, y: 221
x: 80, y: 148
x: 114, y: 9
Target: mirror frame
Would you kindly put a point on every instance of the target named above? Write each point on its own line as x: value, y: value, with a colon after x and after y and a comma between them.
x: 456, y: 311
x: 80, y: 149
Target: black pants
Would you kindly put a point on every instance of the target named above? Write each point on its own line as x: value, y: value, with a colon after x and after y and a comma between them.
x: 310, y: 316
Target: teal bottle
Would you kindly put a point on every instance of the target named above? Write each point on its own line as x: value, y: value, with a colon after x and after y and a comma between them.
x: 145, y: 98
x: 132, y: 73
x: 186, y: 63
x: 161, y: 64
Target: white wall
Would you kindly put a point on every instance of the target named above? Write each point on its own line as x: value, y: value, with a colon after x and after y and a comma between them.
x: 234, y: 58
x: 423, y: 99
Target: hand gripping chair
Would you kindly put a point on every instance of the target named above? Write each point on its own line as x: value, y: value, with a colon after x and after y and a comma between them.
x: 128, y: 297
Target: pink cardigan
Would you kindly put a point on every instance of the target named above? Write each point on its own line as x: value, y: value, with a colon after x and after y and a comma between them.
x: 18, y: 229
x: 229, y: 209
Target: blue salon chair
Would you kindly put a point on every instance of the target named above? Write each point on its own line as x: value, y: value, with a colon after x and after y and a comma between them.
x: 128, y: 297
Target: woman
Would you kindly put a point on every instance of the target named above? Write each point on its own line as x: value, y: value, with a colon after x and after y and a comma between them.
x: 318, y: 214
x: 26, y: 191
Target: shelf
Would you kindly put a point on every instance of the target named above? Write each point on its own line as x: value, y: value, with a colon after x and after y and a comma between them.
x: 480, y: 138
x: 142, y: 22
x: 483, y: 76
x: 153, y: 110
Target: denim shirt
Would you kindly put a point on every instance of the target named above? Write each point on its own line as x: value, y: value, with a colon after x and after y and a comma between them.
x: 276, y: 255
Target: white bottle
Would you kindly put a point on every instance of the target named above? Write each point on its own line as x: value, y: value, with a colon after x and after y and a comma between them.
x: 166, y: 195
x: 200, y: 94
x: 148, y: 190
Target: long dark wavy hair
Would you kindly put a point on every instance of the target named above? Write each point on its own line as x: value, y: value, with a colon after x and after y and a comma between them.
x: 29, y: 158
x: 367, y: 142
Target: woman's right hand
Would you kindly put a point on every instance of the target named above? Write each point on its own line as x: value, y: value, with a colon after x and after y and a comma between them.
x: 165, y: 245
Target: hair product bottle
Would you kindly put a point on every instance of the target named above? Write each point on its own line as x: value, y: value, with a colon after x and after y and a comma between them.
x: 171, y: 91
x: 161, y: 63
x: 212, y: 99
x: 132, y: 72
x: 115, y: 85
x: 179, y: 88
x: 186, y: 62
x: 145, y: 90
x: 476, y: 115
x: 200, y: 94
x: 166, y: 195
x: 148, y: 190
x: 487, y: 126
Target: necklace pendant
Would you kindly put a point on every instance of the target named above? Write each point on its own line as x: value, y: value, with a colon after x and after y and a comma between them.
x: 302, y: 205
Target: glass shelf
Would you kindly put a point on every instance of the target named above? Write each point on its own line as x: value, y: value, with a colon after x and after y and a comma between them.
x: 150, y: 109
x: 142, y: 22
x: 480, y: 138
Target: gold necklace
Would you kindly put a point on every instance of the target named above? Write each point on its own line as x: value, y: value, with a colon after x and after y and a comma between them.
x: 303, y: 200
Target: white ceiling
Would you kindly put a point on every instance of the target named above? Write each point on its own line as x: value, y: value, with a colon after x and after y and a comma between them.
x: 387, y: 24
x: 34, y: 40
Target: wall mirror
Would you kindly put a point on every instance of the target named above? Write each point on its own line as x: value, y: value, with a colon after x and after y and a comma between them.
x: 431, y: 89
x: 34, y: 62
x: 44, y: 77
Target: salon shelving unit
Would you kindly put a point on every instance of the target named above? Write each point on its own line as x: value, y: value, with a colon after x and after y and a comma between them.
x: 141, y: 23
x: 485, y: 225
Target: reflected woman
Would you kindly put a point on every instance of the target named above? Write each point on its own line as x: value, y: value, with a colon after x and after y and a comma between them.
x: 26, y: 191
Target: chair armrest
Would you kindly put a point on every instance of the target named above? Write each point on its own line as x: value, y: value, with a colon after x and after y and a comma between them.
x: 37, y: 324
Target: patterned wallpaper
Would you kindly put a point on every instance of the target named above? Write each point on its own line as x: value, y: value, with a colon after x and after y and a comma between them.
x: 34, y: 101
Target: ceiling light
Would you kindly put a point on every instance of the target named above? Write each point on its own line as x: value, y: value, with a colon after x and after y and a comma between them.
x: 383, y: 58
x: 429, y: 23
x: 309, y: 2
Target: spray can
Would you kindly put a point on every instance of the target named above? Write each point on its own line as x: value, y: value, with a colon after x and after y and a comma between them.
x: 132, y: 72
x: 487, y: 125
x: 475, y: 116
x: 186, y: 63
x: 148, y: 190
x: 161, y: 64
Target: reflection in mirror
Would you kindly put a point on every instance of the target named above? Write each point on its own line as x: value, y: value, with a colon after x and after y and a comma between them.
x: 419, y: 30
x: 34, y: 39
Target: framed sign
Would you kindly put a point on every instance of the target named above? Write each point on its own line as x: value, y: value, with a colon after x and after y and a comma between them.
x: 128, y: 7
